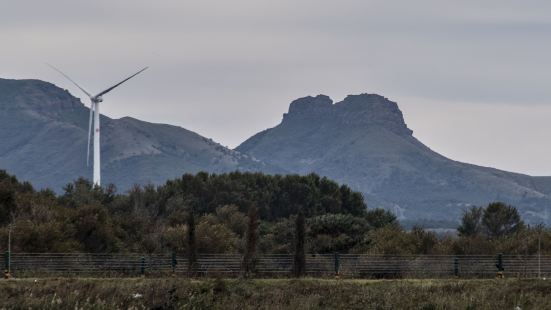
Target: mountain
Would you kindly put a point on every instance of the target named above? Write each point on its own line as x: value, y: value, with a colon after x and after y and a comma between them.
x: 364, y: 142
x: 43, y: 134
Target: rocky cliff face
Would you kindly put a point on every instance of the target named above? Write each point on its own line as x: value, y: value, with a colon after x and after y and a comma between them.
x: 364, y: 142
x: 43, y: 134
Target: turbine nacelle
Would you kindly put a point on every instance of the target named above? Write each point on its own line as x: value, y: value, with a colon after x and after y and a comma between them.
x: 97, y: 99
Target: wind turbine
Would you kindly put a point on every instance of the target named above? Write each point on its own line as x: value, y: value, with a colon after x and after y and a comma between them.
x: 95, y: 117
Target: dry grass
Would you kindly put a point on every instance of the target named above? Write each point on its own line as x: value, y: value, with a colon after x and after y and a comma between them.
x: 180, y: 293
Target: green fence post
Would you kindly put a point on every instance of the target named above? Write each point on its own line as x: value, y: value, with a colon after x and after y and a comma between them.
x: 7, y: 264
x: 456, y: 266
x: 337, y: 264
x: 174, y: 262
x: 142, y: 268
x: 6, y: 260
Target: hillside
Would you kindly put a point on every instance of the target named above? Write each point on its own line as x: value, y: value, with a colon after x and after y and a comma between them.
x: 363, y: 141
x: 43, y: 130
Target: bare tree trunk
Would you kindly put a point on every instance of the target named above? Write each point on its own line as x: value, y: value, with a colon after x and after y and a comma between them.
x: 192, y: 246
x: 300, y: 259
x: 251, y: 237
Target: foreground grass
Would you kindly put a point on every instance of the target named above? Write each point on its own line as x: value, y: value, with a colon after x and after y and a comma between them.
x: 181, y: 293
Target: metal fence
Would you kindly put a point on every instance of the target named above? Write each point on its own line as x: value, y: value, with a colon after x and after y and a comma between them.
x: 318, y: 265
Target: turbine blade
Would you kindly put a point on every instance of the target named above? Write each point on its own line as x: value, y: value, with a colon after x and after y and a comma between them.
x: 68, y: 78
x: 92, y: 109
x: 116, y: 85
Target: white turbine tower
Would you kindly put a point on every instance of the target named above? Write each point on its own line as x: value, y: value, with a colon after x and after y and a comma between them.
x: 95, y: 115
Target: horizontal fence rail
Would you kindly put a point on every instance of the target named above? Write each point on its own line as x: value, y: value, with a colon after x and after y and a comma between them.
x: 317, y: 265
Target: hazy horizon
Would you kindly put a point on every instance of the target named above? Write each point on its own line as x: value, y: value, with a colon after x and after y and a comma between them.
x: 468, y: 76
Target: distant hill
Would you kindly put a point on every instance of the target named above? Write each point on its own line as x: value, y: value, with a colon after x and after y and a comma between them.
x: 364, y: 142
x: 43, y: 135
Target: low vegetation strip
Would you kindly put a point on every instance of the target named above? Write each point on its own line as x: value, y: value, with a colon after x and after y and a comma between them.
x: 306, y: 293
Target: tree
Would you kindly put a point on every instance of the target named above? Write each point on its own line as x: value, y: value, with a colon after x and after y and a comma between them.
x: 278, y: 237
x: 471, y: 222
x: 474, y: 245
x: 390, y: 240
x: 230, y: 216
x: 94, y: 229
x: 9, y: 188
x: 500, y: 220
x: 251, y: 237
x: 81, y: 192
x: 174, y: 238
x: 214, y: 237
x: 300, y: 259
x: 7, y: 203
x: 352, y: 202
x: 331, y: 233
x: 379, y: 218
x: 426, y: 241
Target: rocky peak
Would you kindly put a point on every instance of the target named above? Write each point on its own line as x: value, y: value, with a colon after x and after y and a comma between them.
x: 311, y: 104
x: 363, y: 111
x: 372, y: 109
x: 310, y: 107
x: 363, y: 102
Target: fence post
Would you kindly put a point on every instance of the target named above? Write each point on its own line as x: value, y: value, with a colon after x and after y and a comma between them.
x: 7, y: 264
x: 142, y: 266
x: 499, y: 266
x: 337, y: 264
x: 174, y: 262
x: 456, y: 266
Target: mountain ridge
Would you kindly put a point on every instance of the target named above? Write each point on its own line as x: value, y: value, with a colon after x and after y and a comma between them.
x: 37, y: 119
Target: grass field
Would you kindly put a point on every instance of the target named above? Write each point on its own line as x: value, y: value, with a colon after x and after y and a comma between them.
x: 180, y: 293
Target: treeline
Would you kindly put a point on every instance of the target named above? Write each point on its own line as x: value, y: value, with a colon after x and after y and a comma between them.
x: 248, y: 213
x: 155, y: 219
x: 496, y: 228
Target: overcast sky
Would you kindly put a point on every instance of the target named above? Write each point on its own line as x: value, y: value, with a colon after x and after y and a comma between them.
x: 472, y: 77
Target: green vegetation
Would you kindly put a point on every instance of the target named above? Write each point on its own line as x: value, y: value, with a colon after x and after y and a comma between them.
x: 174, y: 293
x: 246, y: 213
x: 496, y: 221
x: 202, y: 213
